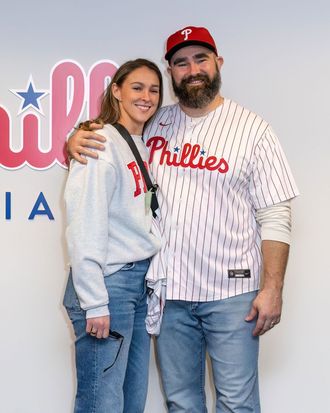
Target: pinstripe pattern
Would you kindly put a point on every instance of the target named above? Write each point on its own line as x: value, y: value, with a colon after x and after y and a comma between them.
x: 208, y: 201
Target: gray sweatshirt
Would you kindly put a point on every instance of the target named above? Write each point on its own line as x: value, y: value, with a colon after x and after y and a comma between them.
x: 108, y: 223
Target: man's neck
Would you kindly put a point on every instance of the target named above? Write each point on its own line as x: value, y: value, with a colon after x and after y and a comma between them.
x: 199, y: 112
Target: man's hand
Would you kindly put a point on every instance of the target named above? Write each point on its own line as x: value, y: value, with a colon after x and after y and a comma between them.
x: 82, y: 141
x: 98, y: 326
x: 267, y: 306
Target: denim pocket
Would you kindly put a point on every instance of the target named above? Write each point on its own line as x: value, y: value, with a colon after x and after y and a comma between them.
x: 70, y: 300
x: 128, y: 266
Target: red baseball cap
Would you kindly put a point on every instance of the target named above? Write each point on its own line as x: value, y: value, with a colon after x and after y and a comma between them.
x: 187, y: 37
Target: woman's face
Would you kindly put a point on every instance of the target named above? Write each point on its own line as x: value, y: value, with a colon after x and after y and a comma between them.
x: 138, y: 98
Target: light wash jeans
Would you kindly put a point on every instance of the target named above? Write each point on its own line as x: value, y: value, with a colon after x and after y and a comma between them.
x: 189, y: 329
x: 107, y: 383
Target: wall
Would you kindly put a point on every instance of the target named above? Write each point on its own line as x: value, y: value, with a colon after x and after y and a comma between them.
x: 277, y: 63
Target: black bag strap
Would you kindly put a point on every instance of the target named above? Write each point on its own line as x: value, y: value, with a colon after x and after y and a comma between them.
x: 151, y: 187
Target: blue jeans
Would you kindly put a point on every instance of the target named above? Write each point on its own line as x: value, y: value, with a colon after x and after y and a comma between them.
x: 112, y: 376
x: 189, y: 329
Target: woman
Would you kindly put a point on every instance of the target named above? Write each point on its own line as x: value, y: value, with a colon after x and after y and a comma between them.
x: 110, y: 242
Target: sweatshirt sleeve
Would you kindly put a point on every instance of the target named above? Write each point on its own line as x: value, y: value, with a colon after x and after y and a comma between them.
x: 88, y: 194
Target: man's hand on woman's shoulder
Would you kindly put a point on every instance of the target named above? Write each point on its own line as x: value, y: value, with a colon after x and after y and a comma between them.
x: 85, y: 142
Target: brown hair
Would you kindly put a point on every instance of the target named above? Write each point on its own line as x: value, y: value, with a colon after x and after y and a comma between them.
x: 110, y: 111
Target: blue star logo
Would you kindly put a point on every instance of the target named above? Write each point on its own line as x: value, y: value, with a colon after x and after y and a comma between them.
x: 203, y: 152
x: 30, y: 97
x: 176, y: 149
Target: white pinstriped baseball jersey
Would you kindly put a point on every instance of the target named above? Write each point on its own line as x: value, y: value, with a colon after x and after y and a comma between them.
x: 213, y: 173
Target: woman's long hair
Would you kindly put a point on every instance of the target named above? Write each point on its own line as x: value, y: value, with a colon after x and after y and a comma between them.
x: 110, y: 112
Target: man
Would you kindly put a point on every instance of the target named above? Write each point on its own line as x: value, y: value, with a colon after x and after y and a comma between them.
x: 225, y: 190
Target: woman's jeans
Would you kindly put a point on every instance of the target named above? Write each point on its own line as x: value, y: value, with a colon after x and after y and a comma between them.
x: 112, y: 373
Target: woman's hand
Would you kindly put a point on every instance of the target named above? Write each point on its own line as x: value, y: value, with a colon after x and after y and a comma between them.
x: 98, y: 327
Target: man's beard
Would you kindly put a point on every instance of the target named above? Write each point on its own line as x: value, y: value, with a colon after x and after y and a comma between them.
x: 197, y: 97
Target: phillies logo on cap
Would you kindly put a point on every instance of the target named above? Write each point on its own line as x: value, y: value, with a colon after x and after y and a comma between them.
x: 189, y: 36
x: 186, y: 33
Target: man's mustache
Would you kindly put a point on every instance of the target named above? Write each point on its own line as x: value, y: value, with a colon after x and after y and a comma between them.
x: 191, y: 78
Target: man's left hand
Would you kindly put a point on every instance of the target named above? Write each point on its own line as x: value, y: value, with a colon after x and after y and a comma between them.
x: 267, y: 306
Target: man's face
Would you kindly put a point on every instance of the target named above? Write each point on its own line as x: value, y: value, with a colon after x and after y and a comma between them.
x: 195, y: 72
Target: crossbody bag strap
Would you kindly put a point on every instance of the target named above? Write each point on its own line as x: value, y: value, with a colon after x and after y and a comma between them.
x: 150, y: 186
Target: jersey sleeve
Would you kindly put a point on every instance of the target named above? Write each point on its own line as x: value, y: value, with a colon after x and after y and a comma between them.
x: 271, y: 179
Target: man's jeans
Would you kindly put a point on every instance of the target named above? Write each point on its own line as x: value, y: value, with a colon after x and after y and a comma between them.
x: 190, y: 329
x: 107, y: 383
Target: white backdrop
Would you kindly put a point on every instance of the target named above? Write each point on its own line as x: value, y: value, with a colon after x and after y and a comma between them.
x: 277, y: 63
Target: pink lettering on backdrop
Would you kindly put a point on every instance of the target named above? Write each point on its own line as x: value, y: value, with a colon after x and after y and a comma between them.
x: 97, y: 77
x: 68, y: 98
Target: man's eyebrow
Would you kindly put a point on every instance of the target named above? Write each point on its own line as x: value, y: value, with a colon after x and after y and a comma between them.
x: 200, y: 55
x: 196, y: 56
x: 179, y: 60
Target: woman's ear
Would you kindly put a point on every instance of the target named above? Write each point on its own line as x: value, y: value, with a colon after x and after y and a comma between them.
x: 116, y: 91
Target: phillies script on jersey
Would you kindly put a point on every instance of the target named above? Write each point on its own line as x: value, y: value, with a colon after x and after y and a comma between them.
x: 191, y: 156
